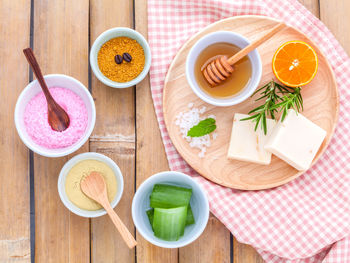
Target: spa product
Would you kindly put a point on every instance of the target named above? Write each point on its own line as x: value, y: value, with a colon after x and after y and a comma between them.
x: 81, y: 170
x: 118, y: 59
x: 38, y: 127
x: 247, y: 144
x: 189, y: 219
x: 127, y: 57
x: 170, y: 211
x: 94, y: 186
x: 204, y: 127
x: 121, y: 59
x: 189, y: 119
x: 234, y: 84
x: 275, y: 97
x: 296, y: 140
x: 295, y: 63
x: 58, y: 118
x: 219, y: 68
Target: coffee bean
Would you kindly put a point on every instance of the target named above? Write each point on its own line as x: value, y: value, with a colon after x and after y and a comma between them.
x: 127, y: 57
x: 118, y: 59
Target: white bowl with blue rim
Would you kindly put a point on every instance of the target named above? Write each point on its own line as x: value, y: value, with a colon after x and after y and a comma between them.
x: 199, y: 204
x: 113, y: 33
x: 32, y: 90
x: 223, y: 37
x: 61, y: 184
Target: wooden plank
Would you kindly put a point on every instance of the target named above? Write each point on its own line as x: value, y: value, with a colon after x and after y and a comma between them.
x: 150, y: 159
x: 150, y: 153
x: 243, y: 253
x: 212, y: 246
x: 336, y: 16
x: 61, y: 45
x: 14, y: 163
x: 312, y: 5
x: 114, y: 135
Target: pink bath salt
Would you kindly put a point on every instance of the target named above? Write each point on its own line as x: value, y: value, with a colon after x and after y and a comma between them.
x: 37, y: 124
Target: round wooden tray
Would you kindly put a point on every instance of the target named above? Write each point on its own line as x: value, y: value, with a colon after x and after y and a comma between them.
x: 320, y: 106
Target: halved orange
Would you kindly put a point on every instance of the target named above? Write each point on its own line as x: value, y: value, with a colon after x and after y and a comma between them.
x: 295, y: 63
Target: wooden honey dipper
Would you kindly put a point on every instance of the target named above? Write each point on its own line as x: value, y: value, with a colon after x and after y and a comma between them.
x: 218, y: 68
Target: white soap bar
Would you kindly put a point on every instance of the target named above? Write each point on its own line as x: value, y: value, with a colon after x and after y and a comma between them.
x: 247, y: 144
x: 296, y: 140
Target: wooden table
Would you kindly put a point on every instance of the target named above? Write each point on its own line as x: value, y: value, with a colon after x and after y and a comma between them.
x: 34, y: 223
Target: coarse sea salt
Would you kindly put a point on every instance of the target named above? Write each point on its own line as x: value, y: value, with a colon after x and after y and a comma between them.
x: 186, y: 120
x: 38, y: 127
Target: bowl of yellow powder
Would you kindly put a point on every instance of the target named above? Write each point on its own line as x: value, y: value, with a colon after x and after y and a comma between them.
x: 120, y: 57
x: 75, y: 170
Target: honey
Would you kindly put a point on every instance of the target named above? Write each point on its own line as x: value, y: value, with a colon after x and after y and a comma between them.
x: 235, y: 83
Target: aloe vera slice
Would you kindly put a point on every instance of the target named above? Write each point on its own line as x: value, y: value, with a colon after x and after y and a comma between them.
x: 169, y: 196
x: 150, y: 215
x: 189, y: 219
x: 169, y: 223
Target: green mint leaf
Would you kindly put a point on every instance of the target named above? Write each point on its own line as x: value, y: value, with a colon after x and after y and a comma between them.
x: 202, y: 128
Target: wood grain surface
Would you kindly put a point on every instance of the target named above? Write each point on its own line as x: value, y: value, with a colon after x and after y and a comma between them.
x: 335, y: 15
x: 14, y: 161
x: 127, y: 131
x: 61, y: 45
x: 114, y: 136
x: 150, y: 154
x: 321, y: 92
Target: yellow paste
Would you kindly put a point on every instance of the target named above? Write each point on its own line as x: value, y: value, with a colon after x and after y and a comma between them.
x: 81, y: 170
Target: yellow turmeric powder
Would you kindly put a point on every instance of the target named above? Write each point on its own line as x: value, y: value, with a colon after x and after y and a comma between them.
x: 125, y: 71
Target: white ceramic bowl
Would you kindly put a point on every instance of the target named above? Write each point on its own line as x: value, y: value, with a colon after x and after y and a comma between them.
x: 227, y: 37
x: 32, y: 90
x: 199, y: 204
x: 113, y: 33
x: 62, y: 181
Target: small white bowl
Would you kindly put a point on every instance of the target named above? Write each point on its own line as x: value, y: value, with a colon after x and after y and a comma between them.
x: 62, y: 183
x: 113, y: 33
x: 199, y: 204
x: 220, y: 37
x: 32, y: 90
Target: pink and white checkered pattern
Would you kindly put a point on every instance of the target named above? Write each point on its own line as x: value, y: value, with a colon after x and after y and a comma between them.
x: 297, y: 222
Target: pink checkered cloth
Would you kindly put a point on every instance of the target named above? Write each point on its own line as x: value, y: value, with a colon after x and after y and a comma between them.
x: 303, y: 220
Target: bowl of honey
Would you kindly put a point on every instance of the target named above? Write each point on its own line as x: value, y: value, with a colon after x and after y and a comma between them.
x: 243, y: 81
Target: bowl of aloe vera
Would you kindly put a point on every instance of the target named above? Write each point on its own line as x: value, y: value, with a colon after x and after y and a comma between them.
x: 170, y: 209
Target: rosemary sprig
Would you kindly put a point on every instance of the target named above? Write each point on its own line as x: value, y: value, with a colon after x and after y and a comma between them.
x: 292, y: 100
x: 277, y: 98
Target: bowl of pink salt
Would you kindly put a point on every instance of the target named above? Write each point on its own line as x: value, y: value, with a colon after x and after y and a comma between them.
x: 31, y: 116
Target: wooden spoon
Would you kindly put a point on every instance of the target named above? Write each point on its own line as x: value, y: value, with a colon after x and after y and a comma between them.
x: 220, y: 68
x: 58, y: 118
x: 94, y: 186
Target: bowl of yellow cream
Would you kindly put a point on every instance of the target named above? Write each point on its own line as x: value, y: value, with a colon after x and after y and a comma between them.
x: 75, y: 170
